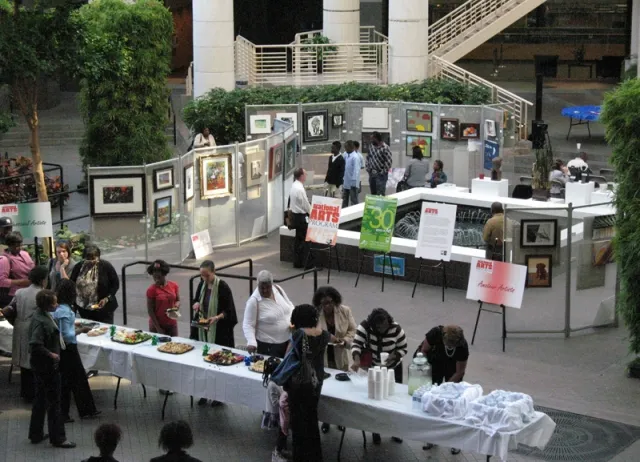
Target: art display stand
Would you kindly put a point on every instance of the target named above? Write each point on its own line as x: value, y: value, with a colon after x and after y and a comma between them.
x: 503, y: 312
x: 332, y: 249
x: 361, y: 257
x: 444, y: 276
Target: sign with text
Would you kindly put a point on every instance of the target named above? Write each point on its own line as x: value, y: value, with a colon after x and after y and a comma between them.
x: 435, y: 235
x: 378, y: 220
x: 496, y: 282
x: 30, y: 220
x: 201, y: 244
x: 324, y: 220
x: 397, y: 262
x: 491, y: 151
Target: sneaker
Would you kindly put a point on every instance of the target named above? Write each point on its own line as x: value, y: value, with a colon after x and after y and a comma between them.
x: 65, y: 445
x: 276, y: 456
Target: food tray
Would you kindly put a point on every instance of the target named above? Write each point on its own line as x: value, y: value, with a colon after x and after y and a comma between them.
x: 190, y: 347
x: 236, y: 359
x: 253, y: 370
x: 198, y: 325
x: 91, y: 324
x: 131, y: 343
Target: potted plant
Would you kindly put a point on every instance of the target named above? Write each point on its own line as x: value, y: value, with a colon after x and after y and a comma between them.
x: 540, y: 173
x: 321, y: 52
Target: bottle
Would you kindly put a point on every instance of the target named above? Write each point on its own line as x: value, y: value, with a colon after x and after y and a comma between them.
x: 417, y: 373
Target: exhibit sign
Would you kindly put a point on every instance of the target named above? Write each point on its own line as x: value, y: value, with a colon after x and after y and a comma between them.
x: 324, y: 220
x: 491, y: 151
x: 397, y: 262
x: 378, y: 221
x: 201, y: 244
x: 435, y: 234
x: 496, y: 282
x: 31, y: 220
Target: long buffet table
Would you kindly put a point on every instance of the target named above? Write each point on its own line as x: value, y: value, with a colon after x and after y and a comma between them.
x: 341, y: 403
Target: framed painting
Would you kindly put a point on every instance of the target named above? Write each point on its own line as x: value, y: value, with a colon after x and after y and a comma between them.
x: 366, y: 140
x: 469, y: 131
x: 316, y: 126
x: 162, y: 211
x: 162, y: 179
x: 423, y: 142
x: 255, y: 168
x: 538, y: 270
x: 113, y: 195
x: 216, y: 179
x: 290, y: 156
x: 538, y: 233
x: 260, y: 124
x: 449, y: 129
x: 290, y: 118
x: 276, y: 160
x: 337, y: 120
x: 419, y: 121
x: 188, y: 182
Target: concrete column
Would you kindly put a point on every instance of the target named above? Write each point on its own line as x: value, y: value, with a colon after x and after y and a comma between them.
x: 635, y: 31
x: 341, y: 20
x: 213, y: 50
x: 408, y: 39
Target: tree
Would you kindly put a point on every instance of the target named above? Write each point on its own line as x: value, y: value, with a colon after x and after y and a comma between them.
x: 35, y: 43
x: 125, y: 58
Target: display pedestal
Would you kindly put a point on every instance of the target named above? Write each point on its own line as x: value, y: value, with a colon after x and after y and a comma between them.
x: 601, y: 197
x: 578, y: 193
x: 488, y: 187
x: 460, y: 166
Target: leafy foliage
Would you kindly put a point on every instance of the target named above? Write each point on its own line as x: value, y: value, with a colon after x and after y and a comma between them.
x: 23, y: 188
x: 6, y: 122
x: 223, y: 111
x: 125, y: 61
x: 621, y: 118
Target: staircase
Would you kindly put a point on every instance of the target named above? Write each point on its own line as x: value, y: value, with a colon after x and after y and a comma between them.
x: 472, y: 24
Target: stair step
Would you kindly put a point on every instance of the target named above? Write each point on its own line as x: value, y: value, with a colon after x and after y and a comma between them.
x: 75, y: 141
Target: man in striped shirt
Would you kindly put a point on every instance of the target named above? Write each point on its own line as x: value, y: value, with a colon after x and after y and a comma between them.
x: 379, y: 163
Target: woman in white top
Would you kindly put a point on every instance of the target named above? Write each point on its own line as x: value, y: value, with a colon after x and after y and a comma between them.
x: 204, y: 139
x: 267, y: 318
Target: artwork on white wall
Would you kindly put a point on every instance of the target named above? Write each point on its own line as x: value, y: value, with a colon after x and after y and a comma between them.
x: 260, y: 124
x: 489, y: 127
x: 289, y: 117
x: 375, y: 118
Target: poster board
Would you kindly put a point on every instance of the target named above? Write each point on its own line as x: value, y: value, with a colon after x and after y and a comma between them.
x: 491, y: 151
x: 324, y: 220
x: 378, y: 222
x: 496, y: 282
x: 201, y: 244
x: 31, y: 220
x: 435, y: 234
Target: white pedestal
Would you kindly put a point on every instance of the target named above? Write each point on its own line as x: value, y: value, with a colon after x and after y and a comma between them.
x: 486, y: 187
x: 452, y: 187
x: 578, y: 193
x: 460, y: 166
x: 601, y: 197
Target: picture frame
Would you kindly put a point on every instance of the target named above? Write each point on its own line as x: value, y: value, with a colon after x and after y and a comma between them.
x: 538, y: 233
x: 260, y: 124
x: 255, y: 168
x: 489, y: 128
x: 162, y: 211
x: 290, y: 117
x: 216, y: 176
x: 316, y: 126
x: 337, y: 120
x: 449, y: 129
x: 163, y: 179
x: 188, y: 182
x: 276, y: 161
x: 290, y: 151
x: 366, y: 140
x: 419, y: 121
x: 469, y: 131
x: 424, y: 142
x: 118, y: 195
x: 539, y: 271
x: 375, y: 118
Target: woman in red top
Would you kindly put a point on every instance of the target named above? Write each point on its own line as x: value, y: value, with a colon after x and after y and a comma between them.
x: 161, y: 296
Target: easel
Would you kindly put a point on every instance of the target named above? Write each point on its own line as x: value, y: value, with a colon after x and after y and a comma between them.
x: 444, y: 276
x: 504, y: 322
x: 331, y: 249
x: 361, y: 255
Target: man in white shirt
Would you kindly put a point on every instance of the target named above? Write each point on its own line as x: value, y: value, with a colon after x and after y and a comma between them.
x: 579, y: 166
x: 267, y: 318
x: 300, y: 207
x: 204, y: 139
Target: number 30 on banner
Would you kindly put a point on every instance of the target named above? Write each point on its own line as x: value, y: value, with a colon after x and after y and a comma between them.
x: 382, y: 219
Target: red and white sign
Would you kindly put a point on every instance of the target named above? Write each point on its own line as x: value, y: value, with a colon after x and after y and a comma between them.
x: 201, y: 244
x: 435, y: 235
x: 324, y: 220
x: 496, y: 282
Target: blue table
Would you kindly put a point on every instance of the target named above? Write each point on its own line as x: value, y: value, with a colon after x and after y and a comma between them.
x: 584, y: 115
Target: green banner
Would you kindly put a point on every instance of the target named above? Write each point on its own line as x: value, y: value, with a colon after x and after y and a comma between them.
x: 378, y: 220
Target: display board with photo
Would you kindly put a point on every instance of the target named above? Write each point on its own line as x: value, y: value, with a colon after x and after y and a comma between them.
x: 419, y: 121
x: 113, y: 195
x: 290, y: 156
x: 260, y: 124
x: 538, y: 233
x: 162, y: 179
x: 189, y: 182
x: 539, y: 270
x: 216, y: 179
x: 255, y: 168
x: 449, y: 129
x: 337, y: 120
x: 423, y: 142
x: 469, y: 131
x: 162, y: 211
x: 276, y: 161
x: 290, y: 118
x: 316, y: 126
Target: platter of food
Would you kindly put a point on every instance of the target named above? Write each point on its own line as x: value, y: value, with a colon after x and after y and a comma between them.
x: 257, y: 366
x: 173, y: 313
x: 130, y: 337
x: 224, y: 358
x: 202, y: 323
x: 175, y: 348
x: 85, y: 323
x: 97, y: 331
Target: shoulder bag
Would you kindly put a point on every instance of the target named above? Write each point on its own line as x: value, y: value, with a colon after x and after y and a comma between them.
x: 305, y: 375
x: 288, y: 216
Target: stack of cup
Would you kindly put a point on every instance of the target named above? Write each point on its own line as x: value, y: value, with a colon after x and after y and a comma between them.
x: 391, y: 382
x: 378, y: 383
x: 371, y: 383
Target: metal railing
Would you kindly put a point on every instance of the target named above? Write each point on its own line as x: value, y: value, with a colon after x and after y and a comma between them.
x: 368, y: 34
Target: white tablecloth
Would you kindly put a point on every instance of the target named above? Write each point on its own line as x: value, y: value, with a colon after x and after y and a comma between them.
x: 6, y: 336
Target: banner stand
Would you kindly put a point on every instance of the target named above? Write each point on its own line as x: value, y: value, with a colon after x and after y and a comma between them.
x: 362, y: 255
x: 331, y: 249
x: 504, y: 322
x: 444, y: 277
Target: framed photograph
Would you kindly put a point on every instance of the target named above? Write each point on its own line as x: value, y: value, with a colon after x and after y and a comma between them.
x: 290, y: 118
x: 366, y: 140
x: 489, y: 128
x: 469, y: 131
x: 260, y: 124
x: 315, y: 126
x: 290, y: 156
x: 118, y: 195
x: 255, y: 168
x: 538, y: 233
x: 276, y: 160
x: 424, y: 142
x: 538, y: 270
x: 162, y: 179
x: 602, y: 253
x: 419, y: 121
x: 449, y: 129
x: 162, y: 211
x: 337, y: 120
x: 375, y: 118
x: 188, y: 179
x: 216, y: 179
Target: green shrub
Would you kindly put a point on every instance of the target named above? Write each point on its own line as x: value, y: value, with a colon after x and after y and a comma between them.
x: 223, y: 111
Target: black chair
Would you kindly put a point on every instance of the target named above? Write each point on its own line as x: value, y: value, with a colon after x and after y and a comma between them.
x: 522, y: 191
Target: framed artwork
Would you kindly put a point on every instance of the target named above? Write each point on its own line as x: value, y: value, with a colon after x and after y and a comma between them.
x: 260, y: 124
x: 449, y: 129
x: 162, y: 179
x: 602, y: 253
x: 276, y: 160
x: 216, y: 179
x: 419, y: 121
x: 489, y: 127
x: 375, y: 118
x: 469, y: 131
x: 118, y: 195
x: 255, y: 168
x: 538, y: 233
x: 290, y: 156
x: 289, y: 117
x: 337, y: 120
x: 316, y: 126
x: 538, y: 270
x: 188, y: 181
x: 162, y: 211
x: 424, y: 142
x: 366, y: 140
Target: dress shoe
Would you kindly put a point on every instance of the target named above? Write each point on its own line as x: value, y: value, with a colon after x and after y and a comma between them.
x: 39, y: 440
x: 376, y: 438
x: 93, y: 415
x: 455, y: 451
x: 427, y: 446
x: 325, y: 428
x: 65, y: 445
